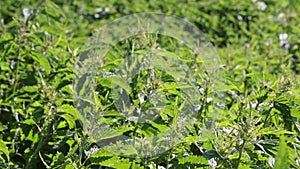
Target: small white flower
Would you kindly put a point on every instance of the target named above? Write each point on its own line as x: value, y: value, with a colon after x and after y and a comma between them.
x: 208, y: 100
x: 271, y: 161
x: 281, y: 15
x: 161, y: 167
x: 283, y: 41
x: 235, y: 132
x: 106, y: 9
x: 253, y: 105
x: 141, y: 97
x: 197, y: 107
x: 182, y: 43
x: 283, y: 36
x: 261, y: 5
x: 201, y: 90
x: 108, y: 74
x: 185, y: 153
x: 212, y: 162
x: 282, y: 79
x: 151, y: 166
x: 133, y: 118
x: 12, y: 64
x: 27, y: 12
x: 97, y: 16
x: 226, y: 130
x: 240, y: 17
x: 69, y: 31
x: 99, y: 10
x: 91, y: 151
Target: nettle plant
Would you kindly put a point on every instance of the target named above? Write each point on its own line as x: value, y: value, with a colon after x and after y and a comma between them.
x: 262, y: 125
x: 257, y: 128
x: 141, y: 105
x: 42, y: 127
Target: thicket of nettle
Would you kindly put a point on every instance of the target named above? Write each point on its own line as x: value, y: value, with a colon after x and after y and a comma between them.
x: 258, y: 42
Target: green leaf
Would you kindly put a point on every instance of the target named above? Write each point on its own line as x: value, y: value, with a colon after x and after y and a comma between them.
x: 51, y: 29
x: 32, y: 136
x: 29, y: 89
x: 42, y: 60
x: 97, y: 101
x: 107, y: 159
x: 62, y: 124
x: 104, y: 132
x: 117, y: 81
x: 295, y: 112
x: 193, y: 160
x: 69, y: 109
x: 29, y: 122
x: 105, y: 82
x: 69, y: 119
x: 117, y: 163
x: 69, y: 166
x: 160, y: 127
x: 58, y: 160
x: 54, y: 10
x: 102, y: 153
x: 36, y: 39
x: 282, y: 156
x: 70, y: 114
x: 4, y: 149
x: 269, y: 130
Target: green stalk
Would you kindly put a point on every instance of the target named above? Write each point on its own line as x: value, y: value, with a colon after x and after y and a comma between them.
x: 240, y: 154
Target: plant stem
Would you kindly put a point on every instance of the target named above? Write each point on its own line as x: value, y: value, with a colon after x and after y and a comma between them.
x: 240, y: 154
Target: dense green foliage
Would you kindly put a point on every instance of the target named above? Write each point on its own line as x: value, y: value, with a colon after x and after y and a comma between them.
x: 259, y: 46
